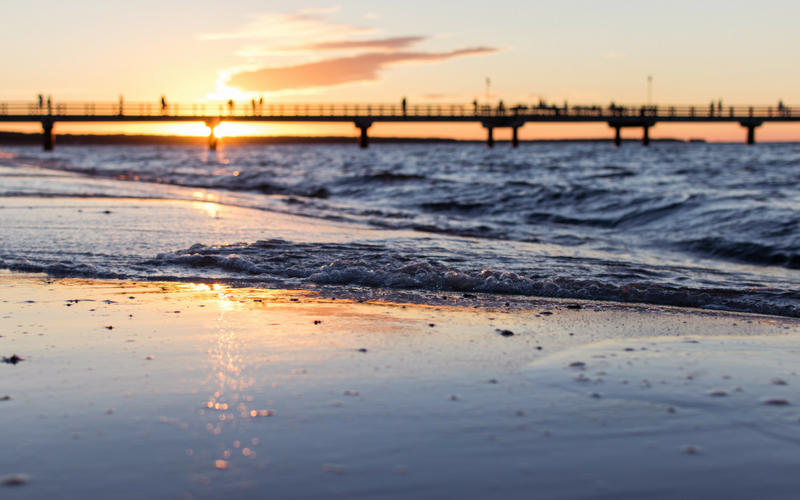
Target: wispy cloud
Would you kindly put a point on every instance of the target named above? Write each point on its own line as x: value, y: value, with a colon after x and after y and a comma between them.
x: 375, y: 44
x: 315, y: 52
x: 395, y: 43
x: 307, y: 24
x: 338, y: 71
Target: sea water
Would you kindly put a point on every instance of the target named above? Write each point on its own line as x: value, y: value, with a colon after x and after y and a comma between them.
x: 697, y: 225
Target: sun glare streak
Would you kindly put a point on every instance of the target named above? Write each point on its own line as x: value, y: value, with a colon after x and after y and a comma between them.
x: 212, y: 209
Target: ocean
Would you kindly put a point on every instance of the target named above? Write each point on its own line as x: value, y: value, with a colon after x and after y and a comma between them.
x: 711, y: 226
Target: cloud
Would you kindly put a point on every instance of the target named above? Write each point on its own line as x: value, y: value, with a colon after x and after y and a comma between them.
x: 376, y: 44
x: 309, y: 23
x: 338, y: 71
x: 395, y: 43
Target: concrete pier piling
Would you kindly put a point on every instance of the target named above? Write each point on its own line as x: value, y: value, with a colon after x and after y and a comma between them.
x: 751, y: 125
x: 489, y: 137
x: 363, y: 138
x: 48, y: 135
x: 212, y: 133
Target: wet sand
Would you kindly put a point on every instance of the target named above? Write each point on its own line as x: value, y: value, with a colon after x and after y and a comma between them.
x: 189, y: 390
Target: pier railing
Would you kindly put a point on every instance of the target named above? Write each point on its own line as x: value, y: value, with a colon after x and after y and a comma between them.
x: 211, y: 110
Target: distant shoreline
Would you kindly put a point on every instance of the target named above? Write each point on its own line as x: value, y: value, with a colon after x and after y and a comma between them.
x: 21, y: 138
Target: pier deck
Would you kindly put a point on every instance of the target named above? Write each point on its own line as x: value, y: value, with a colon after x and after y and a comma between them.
x: 364, y: 115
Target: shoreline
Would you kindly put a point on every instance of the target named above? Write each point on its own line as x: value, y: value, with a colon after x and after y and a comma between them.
x: 33, y: 222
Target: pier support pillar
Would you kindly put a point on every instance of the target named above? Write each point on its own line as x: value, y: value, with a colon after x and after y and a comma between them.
x: 48, y: 136
x: 646, y: 136
x: 490, y: 137
x: 514, y: 137
x: 212, y: 135
x: 618, y: 136
x: 751, y: 130
x: 363, y: 139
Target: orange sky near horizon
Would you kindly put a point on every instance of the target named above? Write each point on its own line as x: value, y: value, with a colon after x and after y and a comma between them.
x: 729, y: 132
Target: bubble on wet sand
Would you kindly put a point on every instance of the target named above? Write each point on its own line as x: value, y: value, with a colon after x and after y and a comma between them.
x: 335, y: 468
x: 14, y: 480
x: 262, y: 413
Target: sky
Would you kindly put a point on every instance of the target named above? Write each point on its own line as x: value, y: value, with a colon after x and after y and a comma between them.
x: 428, y: 51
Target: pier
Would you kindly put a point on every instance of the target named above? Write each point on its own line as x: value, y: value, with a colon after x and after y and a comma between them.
x: 363, y: 116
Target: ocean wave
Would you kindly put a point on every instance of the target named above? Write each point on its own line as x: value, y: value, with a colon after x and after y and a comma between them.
x: 745, y: 251
x: 278, y: 262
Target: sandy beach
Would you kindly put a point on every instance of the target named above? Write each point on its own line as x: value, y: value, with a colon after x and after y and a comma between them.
x: 192, y: 390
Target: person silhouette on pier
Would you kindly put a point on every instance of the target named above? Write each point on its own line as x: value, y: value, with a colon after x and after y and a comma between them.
x: 253, y: 104
x: 501, y: 108
x: 230, y: 106
x: 475, y: 106
x: 403, y: 103
x: 49, y: 105
x: 711, y: 109
x: 163, y: 104
x: 41, y: 102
